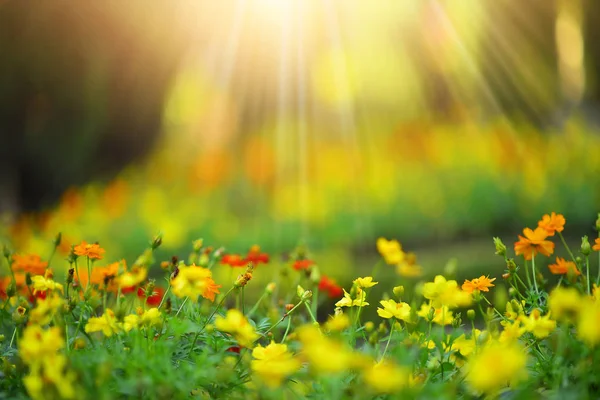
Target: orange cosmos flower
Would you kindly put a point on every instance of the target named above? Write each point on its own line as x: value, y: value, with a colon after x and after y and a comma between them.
x: 91, y: 250
x: 483, y: 283
x: 330, y: 286
x: 552, y: 223
x: 596, y: 245
x: 534, y: 242
x: 304, y: 264
x: 233, y: 260
x: 562, y: 267
x: 31, y: 263
x: 256, y: 256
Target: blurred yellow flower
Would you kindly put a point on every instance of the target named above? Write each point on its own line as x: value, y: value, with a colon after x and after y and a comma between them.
x: 272, y: 364
x: 193, y: 282
x: 541, y: 327
x: 132, y: 278
x: 337, y: 323
x: 511, y: 332
x: 41, y: 284
x: 107, y: 324
x: 130, y: 322
x: 565, y: 303
x: 45, y: 309
x: 390, y: 250
x: 385, y: 377
x: 238, y: 326
x: 151, y: 317
x: 496, y: 366
x: 391, y: 309
x: 588, y: 328
x: 442, y: 292
x: 441, y: 316
x: 37, y: 343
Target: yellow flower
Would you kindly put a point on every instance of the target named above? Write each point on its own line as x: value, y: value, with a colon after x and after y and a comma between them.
x: 151, y: 317
x: 409, y: 270
x: 323, y: 354
x: 390, y: 250
x: 385, y: 377
x: 442, y: 292
x: 107, y: 324
x: 365, y: 283
x: 337, y: 323
x: 391, y: 309
x: 130, y: 322
x: 541, y: 327
x: 588, y: 328
x: 132, y: 278
x: 55, y: 371
x: 193, y: 282
x: 45, y: 309
x: 511, y: 332
x: 496, y: 366
x: 237, y: 325
x: 441, y: 316
x: 41, y: 284
x: 513, y: 310
x: 565, y: 303
x: 272, y: 364
x: 37, y: 344
x: 348, y: 301
x: 465, y: 346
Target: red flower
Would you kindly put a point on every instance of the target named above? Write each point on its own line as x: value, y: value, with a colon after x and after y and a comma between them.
x: 256, y: 257
x: 234, y: 349
x: 300, y: 265
x: 155, y: 298
x: 233, y: 260
x: 330, y: 286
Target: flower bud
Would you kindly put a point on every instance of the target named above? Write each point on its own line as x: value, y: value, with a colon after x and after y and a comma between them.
x: 315, y: 275
x: 586, y: 249
x: 307, y: 295
x: 18, y: 316
x: 70, y: 274
x: 28, y: 280
x: 270, y: 288
x: 156, y: 241
x: 430, y: 314
x: 500, y: 247
x: 300, y: 291
x: 6, y: 252
x: 369, y: 326
x: 598, y: 223
x: 399, y: 291
x: 506, y: 276
x: 510, y: 265
x: 197, y: 245
x: 338, y: 311
x: 12, y: 289
x: 1, y: 338
x: 382, y: 328
x: 512, y: 292
x: 457, y: 321
x: 471, y: 314
x: 79, y: 344
x: 289, y: 307
x: 58, y: 239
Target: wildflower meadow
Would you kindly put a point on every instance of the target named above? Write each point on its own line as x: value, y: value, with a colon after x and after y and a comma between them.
x: 101, y: 328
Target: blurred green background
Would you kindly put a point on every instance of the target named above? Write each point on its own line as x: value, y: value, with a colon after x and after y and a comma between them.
x: 327, y: 123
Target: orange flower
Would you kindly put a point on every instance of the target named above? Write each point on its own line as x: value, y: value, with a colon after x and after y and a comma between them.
x: 534, y: 242
x: 596, y: 245
x: 92, y: 250
x: 233, y: 260
x: 256, y: 256
x: 31, y: 263
x: 304, y: 264
x: 483, y: 283
x: 563, y: 267
x: 552, y: 223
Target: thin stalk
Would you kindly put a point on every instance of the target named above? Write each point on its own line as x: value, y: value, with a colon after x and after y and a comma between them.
x: 89, y: 268
x: 388, y: 341
x: 587, y: 267
x: 257, y: 304
x: 289, y: 325
x: 284, y: 317
x: 566, y: 246
x: 164, y: 296
x: 13, y: 337
x: 312, y: 316
x: 533, y: 273
x: 181, y: 307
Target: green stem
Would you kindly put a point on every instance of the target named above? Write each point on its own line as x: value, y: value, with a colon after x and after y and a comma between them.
x: 208, y: 319
x: 587, y: 267
x: 289, y: 325
x: 181, y: 307
x: 567, y: 247
x: 529, y: 285
x: 389, y: 340
x: 287, y: 314
x: 13, y: 338
x: 164, y: 296
x: 315, y: 299
x: 257, y: 304
x: 77, y: 274
x: 312, y: 316
x: 533, y: 273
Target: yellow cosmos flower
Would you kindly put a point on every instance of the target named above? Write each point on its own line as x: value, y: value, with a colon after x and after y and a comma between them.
x: 38, y: 344
x: 107, y: 324
x: 390, y: 250
x: 41, y: 284
x: 194, y: 282
x: 496, y: 366
x: 565, y: 303
x: 442, y: 292
x: 441, y: 316
x: 45, y: 309
x: 514, y: 309
x: 238, y: 326
x: 541, y: 327
x: 512, y: 332
x: 272, y: 364
x: 365, y: 283
x: 588, y: 328
x: 132, y: 278
x: 465, y: 346
x: 348, y: 301
x: 130, y: 322
x: 151, y: 317
x: 391, y: 309
x: 51, y: 372
x: 325, y: 355
x: 337, y: 323
x: 385, y: 377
